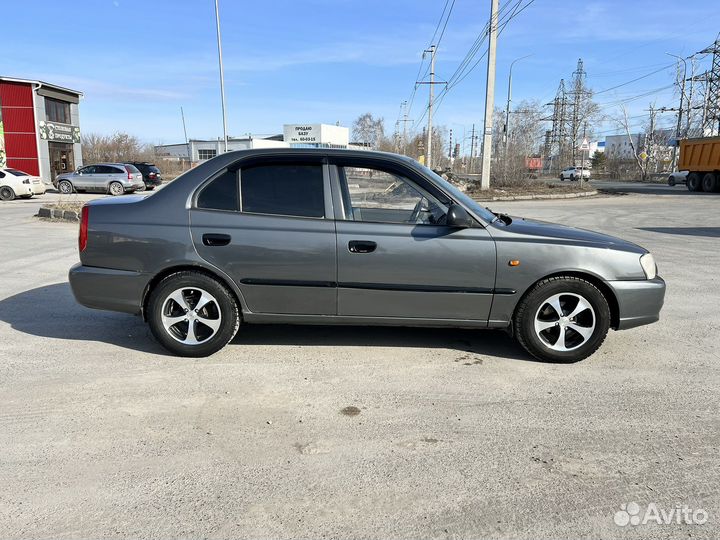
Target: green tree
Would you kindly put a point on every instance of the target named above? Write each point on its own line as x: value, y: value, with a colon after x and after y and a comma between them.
x: 598, y: 161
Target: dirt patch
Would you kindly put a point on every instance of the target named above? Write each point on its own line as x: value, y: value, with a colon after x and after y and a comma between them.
x: 350, y: 411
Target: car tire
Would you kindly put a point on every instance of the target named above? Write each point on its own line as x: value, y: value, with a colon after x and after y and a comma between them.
x: 671, y: 181
x: 172, y: 313
x: 539, y: 327
x: 150, y: 188
x: 6, y: 193
x: 710, y: 182
x: 116, y: 188
x: 694, y: 182
x: 572, y: 177
x: 65, y: 187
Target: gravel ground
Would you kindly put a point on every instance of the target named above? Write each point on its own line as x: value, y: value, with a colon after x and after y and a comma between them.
x: 359, y: 432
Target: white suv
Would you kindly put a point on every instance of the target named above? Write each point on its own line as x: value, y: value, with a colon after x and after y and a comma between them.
x: 574, y: 173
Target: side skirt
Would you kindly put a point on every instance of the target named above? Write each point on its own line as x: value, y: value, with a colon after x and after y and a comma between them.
x: 274, y: 318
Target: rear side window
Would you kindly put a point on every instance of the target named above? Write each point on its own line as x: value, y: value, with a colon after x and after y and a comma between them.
x: 283, y: 189
x: 221, y: 193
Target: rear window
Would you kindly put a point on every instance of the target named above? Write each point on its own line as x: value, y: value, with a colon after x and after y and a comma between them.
x: 132, y: 168
x: 283, y: 189
x: 221, y: 193
x: 153, y: 168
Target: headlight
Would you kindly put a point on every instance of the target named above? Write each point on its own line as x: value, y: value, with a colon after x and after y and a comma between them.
x: 647, y: 262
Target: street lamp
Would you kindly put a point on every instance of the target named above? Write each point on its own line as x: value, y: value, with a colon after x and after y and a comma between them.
x: 679, y: 117
x: 506, y: 135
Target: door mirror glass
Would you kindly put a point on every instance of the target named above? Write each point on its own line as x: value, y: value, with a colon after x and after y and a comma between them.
x: 458, y: 217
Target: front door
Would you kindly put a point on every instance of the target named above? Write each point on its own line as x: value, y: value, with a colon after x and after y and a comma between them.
x: 61, y: 159
x: 274, y: 237
x: 396, y: 258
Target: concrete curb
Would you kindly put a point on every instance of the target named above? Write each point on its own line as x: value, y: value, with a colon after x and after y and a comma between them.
x: 58, y: 214
x: 543, y: 197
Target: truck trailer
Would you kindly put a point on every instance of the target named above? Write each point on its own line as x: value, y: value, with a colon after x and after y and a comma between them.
x: 701, y: 158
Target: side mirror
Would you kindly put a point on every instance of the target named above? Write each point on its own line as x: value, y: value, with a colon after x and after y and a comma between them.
x: 458, y: 217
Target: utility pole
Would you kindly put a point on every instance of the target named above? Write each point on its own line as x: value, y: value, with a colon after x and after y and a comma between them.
x: 472, y: 148
x: 680, y: 110
x: 579, y: 93
x: 404, y: 121
x: 222, y: 74
x: 489, y: 96
x: 182, y: 115
x: 428, y: 145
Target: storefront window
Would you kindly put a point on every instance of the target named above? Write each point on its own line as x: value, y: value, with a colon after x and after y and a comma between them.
x: 57, y: 111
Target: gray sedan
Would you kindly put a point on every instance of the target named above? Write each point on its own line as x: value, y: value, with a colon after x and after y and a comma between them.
x: 112, y: 178
x: 351, y: 237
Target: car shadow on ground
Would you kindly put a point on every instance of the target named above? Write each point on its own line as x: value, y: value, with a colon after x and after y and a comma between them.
x: 51, y: 311
x: 711, y: 232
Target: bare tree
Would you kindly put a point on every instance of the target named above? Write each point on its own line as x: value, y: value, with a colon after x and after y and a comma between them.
x: 369, y: 130
x: 118, y: 147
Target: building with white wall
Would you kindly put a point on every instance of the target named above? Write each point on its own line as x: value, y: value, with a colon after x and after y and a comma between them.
x: 294, y: 135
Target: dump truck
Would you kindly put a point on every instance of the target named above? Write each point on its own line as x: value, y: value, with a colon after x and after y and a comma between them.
x: 701, y: 158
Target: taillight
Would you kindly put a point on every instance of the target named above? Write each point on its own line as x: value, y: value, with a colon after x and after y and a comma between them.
x: 83, y: 237
x: 152, y: 175
x: 130, y: 174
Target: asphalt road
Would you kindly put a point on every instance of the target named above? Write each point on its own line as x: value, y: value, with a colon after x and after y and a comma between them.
x: 359, y: 432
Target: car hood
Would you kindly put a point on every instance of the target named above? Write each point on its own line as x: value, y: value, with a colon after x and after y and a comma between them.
x: 543, y: 230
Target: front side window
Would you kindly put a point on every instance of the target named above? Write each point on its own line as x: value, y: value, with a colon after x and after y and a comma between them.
x: 88, y: 170
x: 206, y: 153
x: 283, y: 189
x: 385, y: 197
x: 221, y: 193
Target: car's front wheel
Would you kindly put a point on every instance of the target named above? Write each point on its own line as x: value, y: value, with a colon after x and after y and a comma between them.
x: 65, y: 187
x: 192, y: 314
x: 562, y: 319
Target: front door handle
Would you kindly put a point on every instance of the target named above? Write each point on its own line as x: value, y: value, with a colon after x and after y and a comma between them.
x: 361, y: 246
x: 213, y: 239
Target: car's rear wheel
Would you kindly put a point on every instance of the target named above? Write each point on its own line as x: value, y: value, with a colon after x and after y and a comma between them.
x: 116, y: 188
x: 694, y: 182
x: 192, y: 314
x: 710, y: 182
x: 671, y: 181
x: 572, y: 177
x: 562, y: 319
x: 65, y: 187
x: 6, y: 193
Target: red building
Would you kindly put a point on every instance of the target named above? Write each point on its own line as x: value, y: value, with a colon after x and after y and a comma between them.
x: 39, y: 127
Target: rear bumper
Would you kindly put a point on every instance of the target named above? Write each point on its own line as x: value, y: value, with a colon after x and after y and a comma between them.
x: 105, y: 288
x: 639, y: 301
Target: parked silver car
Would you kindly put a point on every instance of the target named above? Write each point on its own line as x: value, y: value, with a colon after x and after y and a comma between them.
x: 112, y: 178
x: 327, y: 236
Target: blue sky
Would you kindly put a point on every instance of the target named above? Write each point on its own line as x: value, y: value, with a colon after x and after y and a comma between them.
x: 139, y: 61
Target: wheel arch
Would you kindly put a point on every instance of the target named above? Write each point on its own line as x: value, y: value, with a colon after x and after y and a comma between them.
x: 214, y: 274
x: 598, y: 282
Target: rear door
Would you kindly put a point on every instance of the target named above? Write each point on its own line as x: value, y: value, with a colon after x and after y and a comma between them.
x: 268, y: 224
x: 396, y: 258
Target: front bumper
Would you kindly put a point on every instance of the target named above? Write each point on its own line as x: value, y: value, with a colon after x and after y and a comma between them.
x: 639, y: 301
x: 109, y: 289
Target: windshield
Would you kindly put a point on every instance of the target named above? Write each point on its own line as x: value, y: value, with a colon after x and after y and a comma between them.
x: 16, y: 172
x: 461, y: 197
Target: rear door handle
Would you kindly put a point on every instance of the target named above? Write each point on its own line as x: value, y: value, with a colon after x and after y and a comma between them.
x: 213, y: 239
x: 361, y: 246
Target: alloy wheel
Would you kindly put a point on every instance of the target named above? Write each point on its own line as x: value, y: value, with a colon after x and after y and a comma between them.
x: 565, y: 322
x: 65, y: 187
x: 191, y: 316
